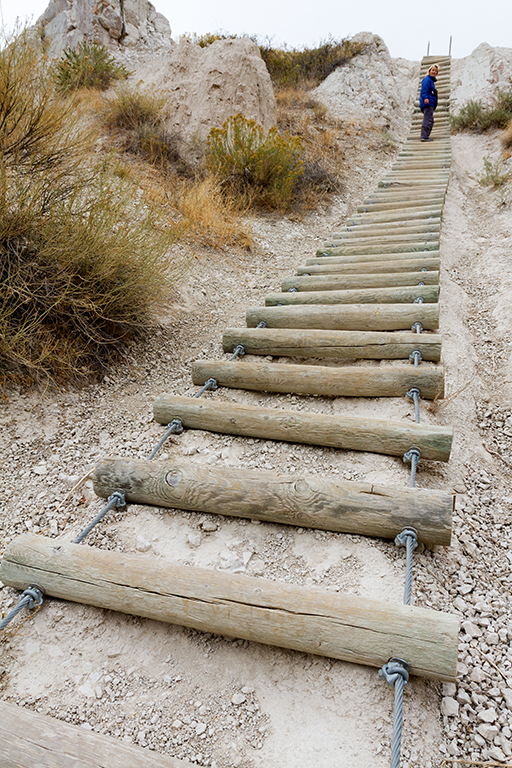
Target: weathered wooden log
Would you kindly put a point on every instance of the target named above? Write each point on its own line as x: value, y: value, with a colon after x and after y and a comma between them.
x: 347, y: 627
x: 349, y: 317
x: 343, y: 345
x: 412, y: 214
x: 393, y: 438
x: 31, y: 740
x: 344, y: 282
x: 309, y: 501
x: 383, y: 239
x: 383, y: 204
x: 429, y: 293
x: 381, y: 229
x: 370, y: 267
x: 345, y: 381
x: 386, y: 247
x: 324, y: 257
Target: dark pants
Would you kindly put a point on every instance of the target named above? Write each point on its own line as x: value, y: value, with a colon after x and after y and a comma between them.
x: 428, y: 122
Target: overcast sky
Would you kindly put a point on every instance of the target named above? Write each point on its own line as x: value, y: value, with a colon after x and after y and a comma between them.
x: 407, y: 26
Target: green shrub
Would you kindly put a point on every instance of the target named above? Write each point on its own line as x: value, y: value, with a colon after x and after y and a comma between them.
x: 493, y: 174
x: 255, y: 169
x: 292, y: 67
x: 82, y: 252
x: 89, y: 66
x: 474, y: 117
x: 506, y: 137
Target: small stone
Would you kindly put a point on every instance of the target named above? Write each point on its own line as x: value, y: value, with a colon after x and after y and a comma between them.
x: 477, y: 676
x: 488, y: 731
x: 87, y: 690
x: 487, y: 716
x: 247, y: 689
x: 209, y: 526
x: 471, y: 629
x: 142, y: 544
x: 463, y: 697
x: 176, y: 724
x: 194, y: 539
x: 238, y: 698
x: 200, y: 728
x: 495, y: 753
x: 449, y: 707
x: 507, y: 695
x: 449, y: 689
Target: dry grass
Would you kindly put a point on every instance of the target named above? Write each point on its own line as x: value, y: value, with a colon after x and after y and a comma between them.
x: 323, y: 160
x: 506, y: 137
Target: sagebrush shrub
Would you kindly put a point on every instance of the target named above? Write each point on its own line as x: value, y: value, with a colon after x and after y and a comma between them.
x: 90, y: 65
x: 256, y: 169
x: 82, y: 251
x: 474, y: 116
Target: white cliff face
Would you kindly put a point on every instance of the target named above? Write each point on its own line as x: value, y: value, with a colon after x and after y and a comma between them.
x: 481, y: 76
x: 205, y: 86
x: 372, y: 89
x: 115, y: 23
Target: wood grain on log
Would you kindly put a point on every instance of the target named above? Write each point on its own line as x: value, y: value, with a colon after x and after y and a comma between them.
x: 351, y: 317
x: 348, y: 627
x: 309, y: 501
x: 393, y: 438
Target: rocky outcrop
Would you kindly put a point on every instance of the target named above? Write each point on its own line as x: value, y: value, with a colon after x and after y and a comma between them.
x: 481, y: 76
x: 115, y: 23
x: 205, y: 86
x: 372, y: 89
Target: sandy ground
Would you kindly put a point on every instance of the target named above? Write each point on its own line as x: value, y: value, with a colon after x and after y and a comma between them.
x: 225, y: 702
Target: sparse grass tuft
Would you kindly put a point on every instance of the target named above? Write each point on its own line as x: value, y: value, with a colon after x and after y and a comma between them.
x: 493, y: 174
x: 474, y: 117
x: 254, y: 169
x: 89, y: 66
x: 137, y: 117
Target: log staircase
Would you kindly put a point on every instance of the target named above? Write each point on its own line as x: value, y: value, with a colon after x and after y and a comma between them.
x: 371, y: 293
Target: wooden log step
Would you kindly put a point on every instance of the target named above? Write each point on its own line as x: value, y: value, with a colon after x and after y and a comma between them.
x: 396, y: 217
x: 324, y: 257
x: 348, y: 627
x: 31, y: 740
x: 393, y: 438
x: 343, y: 282
x: 328, y: 381
x: 348, y: 317
x: 342, y: 345
x: 309, y: 501
x: 387, y: 228
x: 371, y: 205
x: 400, y: 295
x: 387, y: 246
x: 369, y: 267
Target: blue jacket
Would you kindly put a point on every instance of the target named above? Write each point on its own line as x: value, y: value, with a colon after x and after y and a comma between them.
x: 428, y: 91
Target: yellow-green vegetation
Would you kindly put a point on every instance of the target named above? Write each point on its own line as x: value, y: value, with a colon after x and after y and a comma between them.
x: 307, y: 67
x: 473, y: 116
x: 90, y: 65
x: 255, y: 168
x: 493, y: 174
x: 82, y: 250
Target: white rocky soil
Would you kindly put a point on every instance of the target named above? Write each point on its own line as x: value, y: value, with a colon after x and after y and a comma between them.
x: 224, y: 702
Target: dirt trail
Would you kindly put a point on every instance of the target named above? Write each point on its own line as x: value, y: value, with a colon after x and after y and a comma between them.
x: 225, y: 702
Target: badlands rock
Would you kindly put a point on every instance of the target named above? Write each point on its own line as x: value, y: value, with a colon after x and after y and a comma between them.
x: 208, y: 85
x: 481, y: 76
x: 372, y: 89
x: 116, y: 23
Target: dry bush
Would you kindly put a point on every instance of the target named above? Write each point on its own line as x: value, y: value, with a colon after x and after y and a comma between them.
x: 137, y: 118
x: 506, y: 137
x: 82, y: 252
x: 305, y: 117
